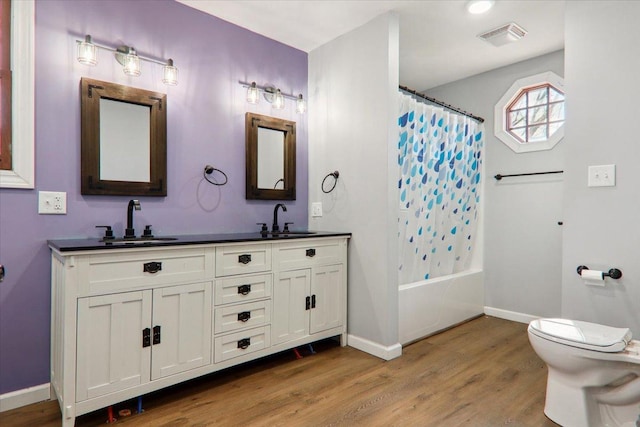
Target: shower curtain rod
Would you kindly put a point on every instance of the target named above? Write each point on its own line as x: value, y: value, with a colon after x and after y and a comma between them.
x: 440, y: 103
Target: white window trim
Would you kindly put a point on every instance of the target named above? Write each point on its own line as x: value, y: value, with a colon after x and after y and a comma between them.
x: 22, y: 105
x: 500, y: 116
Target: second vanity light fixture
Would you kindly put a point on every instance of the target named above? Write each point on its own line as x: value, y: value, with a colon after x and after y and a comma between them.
x: 127, y: 57
x: 272, y: 95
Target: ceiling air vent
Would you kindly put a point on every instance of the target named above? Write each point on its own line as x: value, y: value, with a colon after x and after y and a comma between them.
x: 508, y: 33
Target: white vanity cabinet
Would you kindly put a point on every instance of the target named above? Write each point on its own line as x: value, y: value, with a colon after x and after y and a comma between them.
x: 310, y: 289
x: 130, y: 338
x: 130, y: 320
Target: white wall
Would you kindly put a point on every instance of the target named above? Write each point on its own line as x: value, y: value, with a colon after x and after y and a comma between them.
x: 602, y: 228
x: 522, y: 240
x: 353, y: 81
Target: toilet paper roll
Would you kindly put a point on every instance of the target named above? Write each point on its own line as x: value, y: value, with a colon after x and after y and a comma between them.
x: 593, y: 277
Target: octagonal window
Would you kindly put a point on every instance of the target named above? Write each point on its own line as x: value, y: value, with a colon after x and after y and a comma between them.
x: 530, y: 115
x: 536, y: 113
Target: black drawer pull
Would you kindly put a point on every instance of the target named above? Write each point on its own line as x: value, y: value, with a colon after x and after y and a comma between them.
x: 146, y: 337
x: 152, y: 267
x: 156, y: 335
x: 307, y: 305
x: 244, y: 289
x: 311, y: 253
x: 244, y: 343
x: 244, y: 316
x: 244, y: 258
x: 313, y: 301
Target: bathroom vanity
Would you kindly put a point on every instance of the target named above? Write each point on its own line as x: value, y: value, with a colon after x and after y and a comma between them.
x: 129, y: 318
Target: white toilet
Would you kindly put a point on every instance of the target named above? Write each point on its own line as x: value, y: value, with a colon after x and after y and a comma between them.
x: 594, y: 372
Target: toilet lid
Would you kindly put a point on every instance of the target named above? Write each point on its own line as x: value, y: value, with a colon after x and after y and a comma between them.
x: 589, y: 336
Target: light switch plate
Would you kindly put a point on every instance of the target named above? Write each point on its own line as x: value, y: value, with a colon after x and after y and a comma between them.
x: 52, y: 202
x: 602, y: 176
x: 316, y: 209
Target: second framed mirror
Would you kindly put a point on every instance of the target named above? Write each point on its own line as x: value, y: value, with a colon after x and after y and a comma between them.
x: 270, y: 158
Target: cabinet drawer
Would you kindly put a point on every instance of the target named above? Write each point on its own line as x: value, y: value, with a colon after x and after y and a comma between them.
x: 107, y: 273
x: 239, y: 316
x: 240, y: 343
x: 241, y: 259
x: 309, y: 253
x: 242, y: 288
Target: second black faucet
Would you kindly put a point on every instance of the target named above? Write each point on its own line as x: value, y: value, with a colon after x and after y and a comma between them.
x: 275, y: 227
x: 130, y: 232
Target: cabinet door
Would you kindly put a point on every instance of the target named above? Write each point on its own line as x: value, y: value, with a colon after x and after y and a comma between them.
x: 182, y: 325
x: 290, y: 316
x: 110, y: 351
x: 327, y: 296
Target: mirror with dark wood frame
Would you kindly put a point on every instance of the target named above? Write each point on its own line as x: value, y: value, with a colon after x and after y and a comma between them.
x: 270, y: 158
x: 124, y: 140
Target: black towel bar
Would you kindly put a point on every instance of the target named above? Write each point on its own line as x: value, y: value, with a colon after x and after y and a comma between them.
x: 500, y: 176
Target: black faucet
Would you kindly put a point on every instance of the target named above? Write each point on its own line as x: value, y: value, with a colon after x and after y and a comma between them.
x: 130, y: 233
x: 275, y: 227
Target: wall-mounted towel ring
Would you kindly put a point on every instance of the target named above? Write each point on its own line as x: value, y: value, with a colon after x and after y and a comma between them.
x: 208, y: 170
x: 614, y: 273
x: 335, y: 176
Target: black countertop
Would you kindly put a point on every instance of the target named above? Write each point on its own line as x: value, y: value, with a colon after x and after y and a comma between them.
x: 68, y: 245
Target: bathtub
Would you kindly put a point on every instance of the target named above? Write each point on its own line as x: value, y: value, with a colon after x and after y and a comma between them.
x: 433, y: 305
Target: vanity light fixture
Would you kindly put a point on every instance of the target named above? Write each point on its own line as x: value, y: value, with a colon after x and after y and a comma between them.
x: 170, y: 74
x: 127, y: 57
x: 273, y: 95
x: 278, y: 100
x: 252, y: 93
x: 301, y: 106
x: 87, y: 52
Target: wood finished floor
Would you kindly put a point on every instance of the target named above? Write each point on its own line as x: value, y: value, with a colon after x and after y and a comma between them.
x: 481, y: 373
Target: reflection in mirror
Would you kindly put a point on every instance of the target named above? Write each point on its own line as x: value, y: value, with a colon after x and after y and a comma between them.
x: 271, y: 158
x: 124, y: 140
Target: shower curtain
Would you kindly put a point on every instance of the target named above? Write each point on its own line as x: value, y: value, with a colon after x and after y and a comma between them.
x: 440, y: 161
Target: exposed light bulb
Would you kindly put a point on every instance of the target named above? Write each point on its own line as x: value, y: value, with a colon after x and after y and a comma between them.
x: 278, y: 100
x: 301, y: 106
x: 252, y: 94
x: 87, y: 52
x: 131, y: 63
x: 170, y: 74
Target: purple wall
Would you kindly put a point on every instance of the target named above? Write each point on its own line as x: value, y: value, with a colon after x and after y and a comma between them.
x: 205, y: 126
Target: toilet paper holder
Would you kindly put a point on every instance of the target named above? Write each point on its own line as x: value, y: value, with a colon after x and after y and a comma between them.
x: 614, y: 273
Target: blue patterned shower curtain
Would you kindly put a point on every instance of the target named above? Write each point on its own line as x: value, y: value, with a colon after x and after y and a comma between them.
x: 440, y: 162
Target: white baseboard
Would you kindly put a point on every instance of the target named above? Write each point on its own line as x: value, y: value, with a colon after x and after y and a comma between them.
x: 509, y: 315
x: 26, y: 396
x: 375, y: 349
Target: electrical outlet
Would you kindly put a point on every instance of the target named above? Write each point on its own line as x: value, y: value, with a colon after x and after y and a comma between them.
x: 316, y: 209
x: 52, y: 202
x: 602, y: 176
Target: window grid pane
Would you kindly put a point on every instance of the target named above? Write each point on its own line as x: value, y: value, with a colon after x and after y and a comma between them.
x: 536, y: 114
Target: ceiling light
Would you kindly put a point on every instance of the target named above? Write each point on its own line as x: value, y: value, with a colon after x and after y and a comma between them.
x: 479, y: 6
